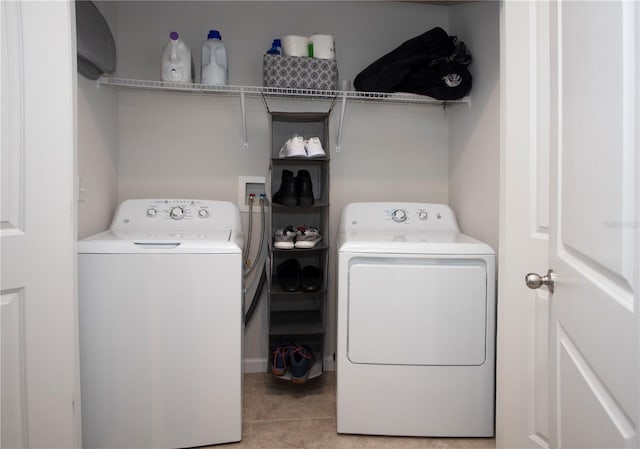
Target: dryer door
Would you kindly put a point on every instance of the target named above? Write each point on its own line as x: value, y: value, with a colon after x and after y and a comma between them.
x: 417, y: 311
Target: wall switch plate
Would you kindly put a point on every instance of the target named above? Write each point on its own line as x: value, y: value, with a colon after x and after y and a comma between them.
x: 248, y: 185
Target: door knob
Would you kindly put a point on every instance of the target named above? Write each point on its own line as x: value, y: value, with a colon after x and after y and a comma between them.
x: 535, y: 281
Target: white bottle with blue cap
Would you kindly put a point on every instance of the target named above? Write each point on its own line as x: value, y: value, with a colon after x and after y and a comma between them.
x: 215, y: 68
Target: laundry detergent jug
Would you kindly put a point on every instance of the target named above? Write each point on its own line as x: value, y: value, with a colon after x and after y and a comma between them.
x: 215, y: 69
x: 177, y: 66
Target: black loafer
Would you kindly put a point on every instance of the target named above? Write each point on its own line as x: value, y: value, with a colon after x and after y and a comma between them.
x: 311, y: 279
x: 289, y: 275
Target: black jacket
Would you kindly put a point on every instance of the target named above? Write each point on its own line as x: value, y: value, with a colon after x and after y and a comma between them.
x: 433, y: 64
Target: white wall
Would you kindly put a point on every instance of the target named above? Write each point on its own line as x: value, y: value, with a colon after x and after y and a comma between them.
x: 363, y: 30
x: 97, y: 148
x: 171, y: 145
x: 474, y: 150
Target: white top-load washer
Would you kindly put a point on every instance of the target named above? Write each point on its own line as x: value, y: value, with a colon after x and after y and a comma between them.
x: 416, y: 323
x: 160, y: 312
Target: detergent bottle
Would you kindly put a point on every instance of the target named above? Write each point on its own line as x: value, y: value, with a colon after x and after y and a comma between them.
x: 215, y: 69
x: 177, y: 66
x: 276, y: 47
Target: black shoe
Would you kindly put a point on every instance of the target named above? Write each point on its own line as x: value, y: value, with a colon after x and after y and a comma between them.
x: 305, y: 189
x: 287, y: 194
x: 289, y: 275
x: 311, y: 279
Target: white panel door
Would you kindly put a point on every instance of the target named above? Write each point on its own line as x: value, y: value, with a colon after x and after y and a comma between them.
x: 39, y: 369
x: 594, y: 239
x: 522, y: 352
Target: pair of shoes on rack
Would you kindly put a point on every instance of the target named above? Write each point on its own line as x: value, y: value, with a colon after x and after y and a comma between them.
x: 292, y: 277
x: 298, y: 146
x: 297, y: 359
x: 302, y: 237
x: 295, y: 190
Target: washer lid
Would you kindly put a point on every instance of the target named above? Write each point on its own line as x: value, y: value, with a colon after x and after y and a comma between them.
x: 150, y: 242
x: 435, y: 242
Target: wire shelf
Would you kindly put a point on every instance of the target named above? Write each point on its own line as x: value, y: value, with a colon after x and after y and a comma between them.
x: 272, y: 92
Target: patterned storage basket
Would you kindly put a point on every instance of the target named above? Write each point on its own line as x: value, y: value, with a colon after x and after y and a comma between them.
x: 299, y: 72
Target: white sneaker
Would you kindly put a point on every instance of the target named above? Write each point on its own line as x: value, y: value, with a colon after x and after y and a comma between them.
x: 314, y: 147
x: 293, y: 147
x: 307, y: 237
x: 284, y: 238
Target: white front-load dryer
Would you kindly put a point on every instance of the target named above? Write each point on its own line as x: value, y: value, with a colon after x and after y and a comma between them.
x: 416, y: 323
x: 160, y: 315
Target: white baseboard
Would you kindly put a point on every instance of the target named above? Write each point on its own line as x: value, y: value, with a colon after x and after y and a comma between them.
x: 259, y: 365
x: 329, y: 364
x: 255, y: 365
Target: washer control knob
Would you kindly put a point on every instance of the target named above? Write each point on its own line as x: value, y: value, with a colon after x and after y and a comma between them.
x: 422, y: 215
x: 176, y: 213
x: 399, y: 215
x: 151, y: 212
x: 203, y: 213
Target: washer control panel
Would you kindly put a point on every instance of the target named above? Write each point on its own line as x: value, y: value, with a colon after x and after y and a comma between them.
x: 175, y: 214
x: 178, y: 210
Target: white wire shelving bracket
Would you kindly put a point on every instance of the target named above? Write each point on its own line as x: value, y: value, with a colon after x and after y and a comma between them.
x: 276, y: 92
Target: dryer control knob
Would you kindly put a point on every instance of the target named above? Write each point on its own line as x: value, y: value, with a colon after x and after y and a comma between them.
x: 203, y: 213
x: 151, y: 212
x: 399, y: 215
x: 176, y: 213
x: 423, y: 215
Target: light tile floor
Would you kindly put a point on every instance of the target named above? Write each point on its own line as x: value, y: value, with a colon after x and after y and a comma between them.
x: 279, y: 415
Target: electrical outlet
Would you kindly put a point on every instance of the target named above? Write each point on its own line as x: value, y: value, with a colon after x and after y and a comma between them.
x: 250, y: 185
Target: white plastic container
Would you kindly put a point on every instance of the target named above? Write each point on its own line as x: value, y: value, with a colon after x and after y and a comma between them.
x: 176, y: 61
x: 215, y: 68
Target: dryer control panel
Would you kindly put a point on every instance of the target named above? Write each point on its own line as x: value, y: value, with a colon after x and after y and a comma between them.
x: 375, y: 216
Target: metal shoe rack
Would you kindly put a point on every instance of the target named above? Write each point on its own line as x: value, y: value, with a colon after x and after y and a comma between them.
x: 299, y: 317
